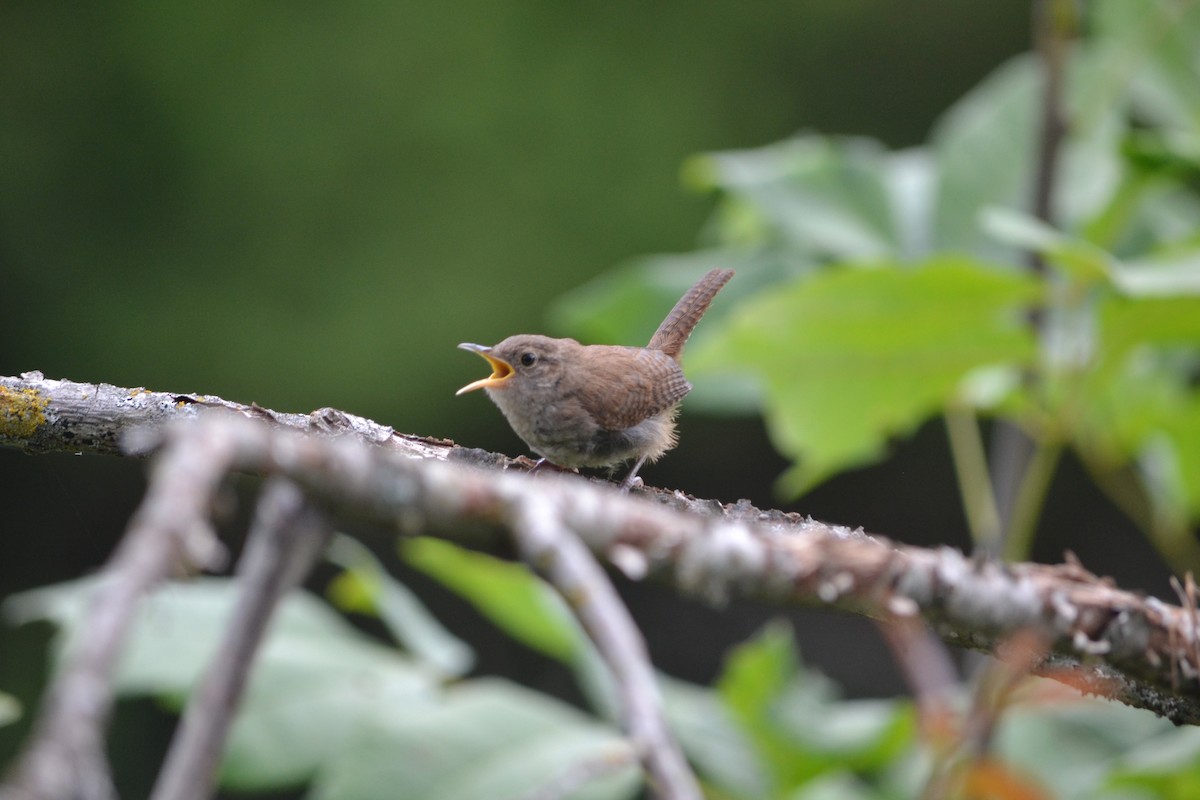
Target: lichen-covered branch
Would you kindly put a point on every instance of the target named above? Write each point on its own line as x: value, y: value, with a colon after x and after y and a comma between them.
x: 1135, y: 649
x: 66, y: 755
x: 282, y: 546
x: 41, y: 415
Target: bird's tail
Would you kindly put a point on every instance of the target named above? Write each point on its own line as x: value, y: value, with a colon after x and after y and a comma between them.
x: 673, y: 334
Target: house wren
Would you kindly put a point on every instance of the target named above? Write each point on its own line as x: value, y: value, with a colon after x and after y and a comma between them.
x: 596, y: 405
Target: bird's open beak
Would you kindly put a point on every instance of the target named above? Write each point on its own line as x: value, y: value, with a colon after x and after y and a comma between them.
x: 501, y: 369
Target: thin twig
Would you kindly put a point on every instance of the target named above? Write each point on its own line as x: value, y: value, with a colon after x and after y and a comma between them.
x: 1188, y: 661
x: 1012, y: 451
x: 65, y: 755
x: 1053, y: 26
x: 995, y: 682
x: 555, y: 552
x: 285, y: 540
x: 926, y: 666
x: 1015, y: 661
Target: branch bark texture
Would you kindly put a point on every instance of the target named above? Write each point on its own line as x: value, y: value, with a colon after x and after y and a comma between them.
x: 1138, y: 650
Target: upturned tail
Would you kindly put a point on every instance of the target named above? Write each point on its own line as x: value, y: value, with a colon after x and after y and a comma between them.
x: 673, y: 334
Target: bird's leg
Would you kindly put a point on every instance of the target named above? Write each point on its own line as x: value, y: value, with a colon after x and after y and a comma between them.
x: 632, y: 479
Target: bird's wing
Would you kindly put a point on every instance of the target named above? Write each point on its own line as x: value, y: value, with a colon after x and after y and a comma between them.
x: 631, y: 384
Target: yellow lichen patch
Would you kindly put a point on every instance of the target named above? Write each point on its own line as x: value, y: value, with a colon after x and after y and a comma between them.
x: 22, y: 412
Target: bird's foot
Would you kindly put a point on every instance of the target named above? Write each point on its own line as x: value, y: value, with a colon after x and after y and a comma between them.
x: 636, y: 483
x: 632, y: 480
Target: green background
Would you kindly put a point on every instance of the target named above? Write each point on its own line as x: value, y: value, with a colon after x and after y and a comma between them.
x: 310, y: 204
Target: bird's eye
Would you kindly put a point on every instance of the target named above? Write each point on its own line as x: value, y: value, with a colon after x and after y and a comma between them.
x: 529, y: 359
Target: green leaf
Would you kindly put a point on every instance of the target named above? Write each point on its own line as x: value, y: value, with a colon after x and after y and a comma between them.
x: 1166, y: 275
x: 10, y: 709
x: 520, y: 604
x: 1177, y: 274
x: 487, y: 738
x: 1132, y: 322
x: 1082, y: 262
x: 757, y: 672
x: 1072, y: 746
x: 1183, y: 429
x: 307, y: 702
x: 851, y: 358
x: 326, y: 704
x: 837, y: 786
x: 711, y: 738
x: 801, y: 733
x: 983, y: 145
x: 861, y: 734
x: 823, y: 197
x: 314, y: 682
x: 366, y: 587
x: 756, y: 675
x: 1154, y: 42
x: 985, y: 150
x: 507, y: 593
x: 1139, y: 406
x: 1167, y: 765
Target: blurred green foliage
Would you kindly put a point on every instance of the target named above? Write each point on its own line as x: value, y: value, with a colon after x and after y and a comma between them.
x: 331, y: 709
x: 304, y: 204
x: 898, y: 285
x: 849, y: 358
x: 10, y: 709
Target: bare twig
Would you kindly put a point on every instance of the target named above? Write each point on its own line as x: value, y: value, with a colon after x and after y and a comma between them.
x: 554, y: 551
x: 1053, y: 26
x: 286, y: 539
x: 925, y: 663
x: 65, y: 756
x: 995, y: 683
x: 1187, y: 600
x: 1013, y: 454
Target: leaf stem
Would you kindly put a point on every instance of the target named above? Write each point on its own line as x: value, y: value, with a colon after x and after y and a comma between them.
x: 1018, y: 539
x: 974, y: 482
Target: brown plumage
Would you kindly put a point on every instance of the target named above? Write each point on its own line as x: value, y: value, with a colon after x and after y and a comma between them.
x: 596, y: 405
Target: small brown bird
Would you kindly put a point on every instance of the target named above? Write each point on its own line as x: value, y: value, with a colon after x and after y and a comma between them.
x: 596, y: 405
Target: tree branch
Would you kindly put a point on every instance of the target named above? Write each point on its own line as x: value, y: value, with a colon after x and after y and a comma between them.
x: 65, y: 755
x: 554, y: 551
x: 40, y: 415
x: 1138, y: 650
x: 287, y: 537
